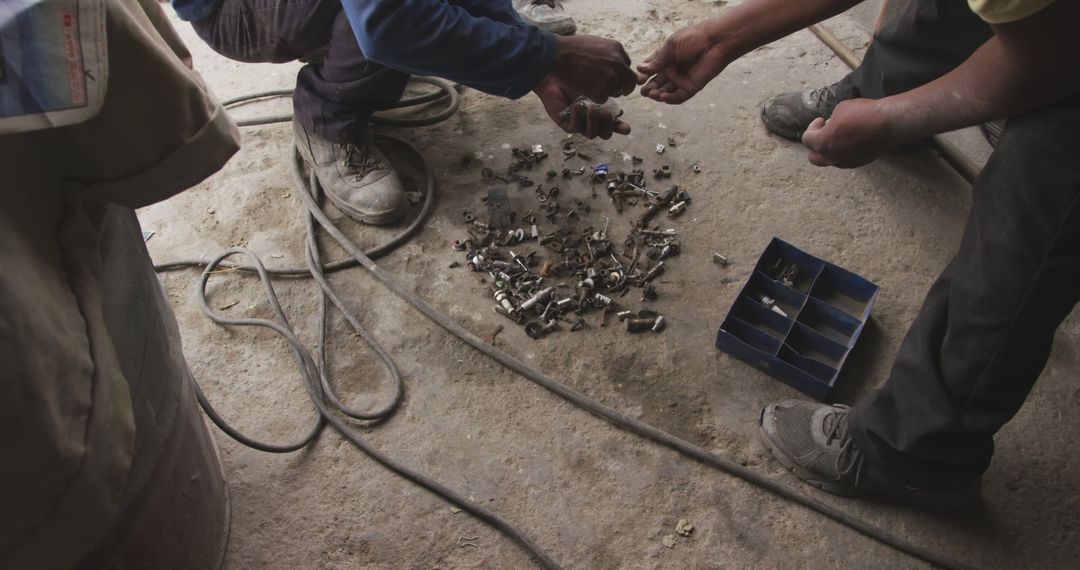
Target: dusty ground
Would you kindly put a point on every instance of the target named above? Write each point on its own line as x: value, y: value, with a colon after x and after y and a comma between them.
x: 594, y: 496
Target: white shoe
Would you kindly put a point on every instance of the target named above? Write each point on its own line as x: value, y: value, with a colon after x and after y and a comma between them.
x: 547, y: 15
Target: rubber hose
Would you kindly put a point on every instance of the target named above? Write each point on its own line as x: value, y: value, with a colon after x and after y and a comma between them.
x: 615, y: 417
x: 322, y: 388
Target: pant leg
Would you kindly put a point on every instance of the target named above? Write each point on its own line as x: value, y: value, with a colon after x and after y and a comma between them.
x: 334, y: 97
x: 919, y: 41
x: 985, y: 331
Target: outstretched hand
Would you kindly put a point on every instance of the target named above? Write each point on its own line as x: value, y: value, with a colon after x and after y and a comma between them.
x: 681, y: 67
x: 590, y: 121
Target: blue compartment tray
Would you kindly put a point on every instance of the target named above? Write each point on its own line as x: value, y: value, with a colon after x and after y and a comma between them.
x: 797, y: 325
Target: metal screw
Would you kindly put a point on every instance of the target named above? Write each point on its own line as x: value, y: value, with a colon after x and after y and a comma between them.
x: 720, y: 259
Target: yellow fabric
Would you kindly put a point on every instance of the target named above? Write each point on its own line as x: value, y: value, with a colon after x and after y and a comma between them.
x: 1005, y: 11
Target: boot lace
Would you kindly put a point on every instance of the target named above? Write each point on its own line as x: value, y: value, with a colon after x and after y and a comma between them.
x: 359, y: 160
x: 850, y: 459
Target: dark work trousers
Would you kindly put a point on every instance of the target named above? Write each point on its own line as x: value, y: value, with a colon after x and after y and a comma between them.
x: 986, y: 327
x: 334, y: 97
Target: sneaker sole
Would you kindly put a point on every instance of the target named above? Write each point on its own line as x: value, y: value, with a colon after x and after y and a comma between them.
x: 791, y: 135
x: 805, y: 475
x: 897, y: 494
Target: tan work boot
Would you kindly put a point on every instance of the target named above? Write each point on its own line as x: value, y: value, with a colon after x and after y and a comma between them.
x: 356, y: 176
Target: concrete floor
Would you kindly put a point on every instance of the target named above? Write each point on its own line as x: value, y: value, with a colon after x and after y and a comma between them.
x: 592, y: 495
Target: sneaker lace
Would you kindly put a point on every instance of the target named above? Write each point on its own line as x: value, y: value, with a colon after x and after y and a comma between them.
x: 360, y: 160
x: 823, y: 96
x: 850, y: 458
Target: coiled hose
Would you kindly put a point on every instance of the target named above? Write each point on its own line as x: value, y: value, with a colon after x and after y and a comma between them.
x: 317, y: 382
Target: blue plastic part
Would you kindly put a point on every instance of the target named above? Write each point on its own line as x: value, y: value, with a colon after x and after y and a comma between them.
x: 826, y: 309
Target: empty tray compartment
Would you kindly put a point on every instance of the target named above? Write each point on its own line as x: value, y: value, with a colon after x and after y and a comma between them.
x: 780, y: 254
x: 828, y: 321
x: 749, y: 334
x: 845, y: 291
x: 813, y: 353
x: 789, y: 300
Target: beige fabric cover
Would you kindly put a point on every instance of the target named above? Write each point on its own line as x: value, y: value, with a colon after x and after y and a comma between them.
x: 67, y: 437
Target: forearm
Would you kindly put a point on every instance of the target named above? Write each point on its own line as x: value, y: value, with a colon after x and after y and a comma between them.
x: 1026, y: 65
x: 754, y: 23
x: 431, y: 37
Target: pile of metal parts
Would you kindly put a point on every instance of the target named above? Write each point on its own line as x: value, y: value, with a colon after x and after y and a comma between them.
x: 572, y: 267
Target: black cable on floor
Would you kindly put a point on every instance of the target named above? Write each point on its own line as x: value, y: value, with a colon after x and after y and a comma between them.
x: 318, y: 386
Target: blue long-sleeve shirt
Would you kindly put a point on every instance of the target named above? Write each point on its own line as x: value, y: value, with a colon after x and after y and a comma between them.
x: 479, y: 43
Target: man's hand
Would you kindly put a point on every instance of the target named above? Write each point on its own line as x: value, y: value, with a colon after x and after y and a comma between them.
x: 592, y: 122
x: 681, y: 67
x: 595, y: 67
x: 857, y: 133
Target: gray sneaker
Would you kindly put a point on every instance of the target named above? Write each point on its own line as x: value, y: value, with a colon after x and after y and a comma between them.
x: 356, y: 176
x: 789, y: 114
x: 813, y: 442
x: 547, y: 15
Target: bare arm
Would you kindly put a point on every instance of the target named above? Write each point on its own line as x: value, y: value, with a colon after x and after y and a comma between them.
x: 693, y: 56
x: 1027, y: 64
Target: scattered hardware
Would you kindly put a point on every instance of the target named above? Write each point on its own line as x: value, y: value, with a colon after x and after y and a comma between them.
x: 490, y: 339
x: 498, y: 206
x: 660, y: 148
x: 697, y: 169
x: 559, y: 265
x: 722, y: 260
x: 784, y: 272
x: 684, y: 528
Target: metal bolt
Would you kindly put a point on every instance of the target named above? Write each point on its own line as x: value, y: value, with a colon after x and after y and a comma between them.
x: 539, y: 297
x: 668, y: 232
x: 623, y: 315
x: 659, y: 324
x: 720, y: 259
x: 656, y: 269
x: 677, y: 209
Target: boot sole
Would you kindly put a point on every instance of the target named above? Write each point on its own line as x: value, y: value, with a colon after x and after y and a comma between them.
x: 384, y: 218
